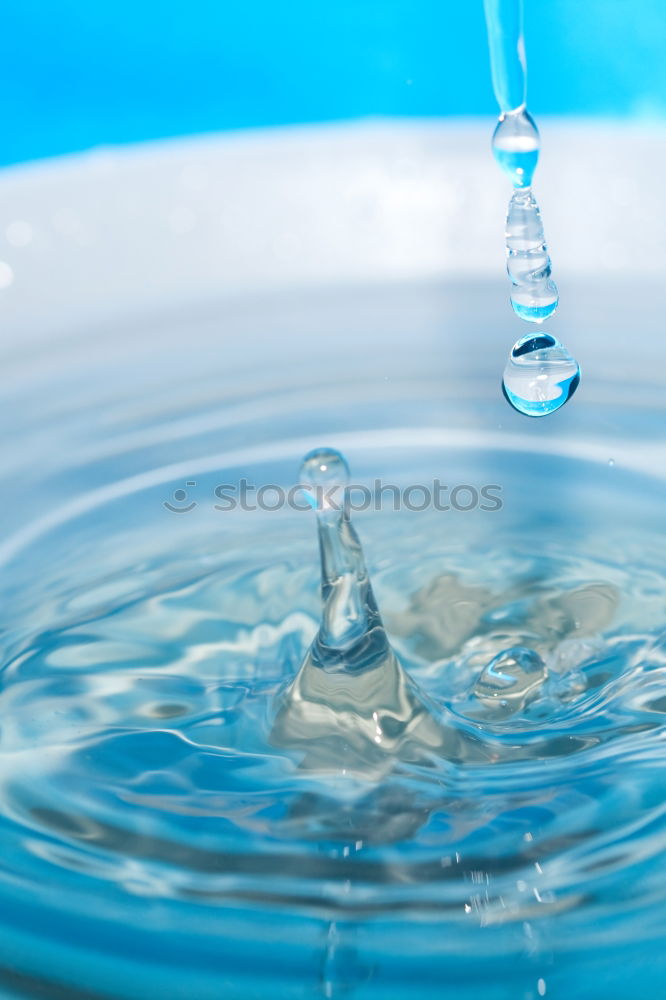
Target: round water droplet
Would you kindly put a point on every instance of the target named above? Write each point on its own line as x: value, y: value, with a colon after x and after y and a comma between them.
x: 325, y: 467
x: 516, y: 146
x: 326, y: 474
x: 540, y: 375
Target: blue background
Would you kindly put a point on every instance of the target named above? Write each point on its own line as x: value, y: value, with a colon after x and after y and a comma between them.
x: 80, y: 73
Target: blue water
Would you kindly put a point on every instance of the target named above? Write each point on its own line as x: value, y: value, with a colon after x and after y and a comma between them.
x: 533, y: 314
x: 162, y: 826
x: 156, y: 778
x: 519, y: 166
x: 78, y: 74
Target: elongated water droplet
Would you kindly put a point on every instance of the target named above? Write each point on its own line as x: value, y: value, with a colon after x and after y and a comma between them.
x: 534, y: 294
x: 515, y: 146
x: 540, y: 375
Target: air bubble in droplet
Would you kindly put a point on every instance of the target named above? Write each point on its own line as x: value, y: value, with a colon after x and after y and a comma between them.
x: 540, y: 375
x: 515, y: 146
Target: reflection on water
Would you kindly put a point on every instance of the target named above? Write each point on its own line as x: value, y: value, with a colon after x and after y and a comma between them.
x: 167, y: 798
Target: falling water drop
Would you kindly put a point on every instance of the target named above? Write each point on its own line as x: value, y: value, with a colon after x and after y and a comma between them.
x: 534, y: 294
x: 515, y: 146
x: 540, y: 375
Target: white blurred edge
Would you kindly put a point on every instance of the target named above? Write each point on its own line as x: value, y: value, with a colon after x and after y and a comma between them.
x: 165, y: 223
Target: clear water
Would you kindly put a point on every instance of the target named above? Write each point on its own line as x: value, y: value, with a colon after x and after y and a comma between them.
x: 515, y: 147
x: 352, y: 709
x: 534, y: 294
x: 165, y: 819
x: 511, y: 679
x: 504, y: 21
x: 540, y: 375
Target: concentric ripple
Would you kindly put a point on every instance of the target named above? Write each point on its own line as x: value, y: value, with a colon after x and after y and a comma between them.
x: 155, y: 840
x: 138, y: 696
